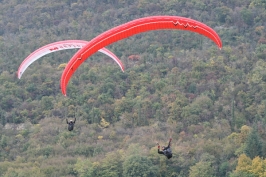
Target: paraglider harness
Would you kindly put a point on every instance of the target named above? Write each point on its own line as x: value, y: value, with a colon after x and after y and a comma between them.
x: 166, y: 150
x: 71, y: 124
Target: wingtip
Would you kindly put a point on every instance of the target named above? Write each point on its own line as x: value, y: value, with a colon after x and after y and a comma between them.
x: 64, y: 93
x: 123, y: 69
x: 18, y: 75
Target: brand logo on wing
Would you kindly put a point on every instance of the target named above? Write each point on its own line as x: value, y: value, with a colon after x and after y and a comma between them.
x: 176, y: 23
x: 52, y: 49
x: 185, y: 25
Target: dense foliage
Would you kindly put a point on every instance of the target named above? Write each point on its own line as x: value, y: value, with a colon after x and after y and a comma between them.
x: 211, y: 102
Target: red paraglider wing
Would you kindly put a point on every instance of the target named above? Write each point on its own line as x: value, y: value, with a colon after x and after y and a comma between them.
x: 132, y: 28
x: 61, y: 45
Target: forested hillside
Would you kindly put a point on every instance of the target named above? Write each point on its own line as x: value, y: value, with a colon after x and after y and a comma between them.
x: 212, y: 102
